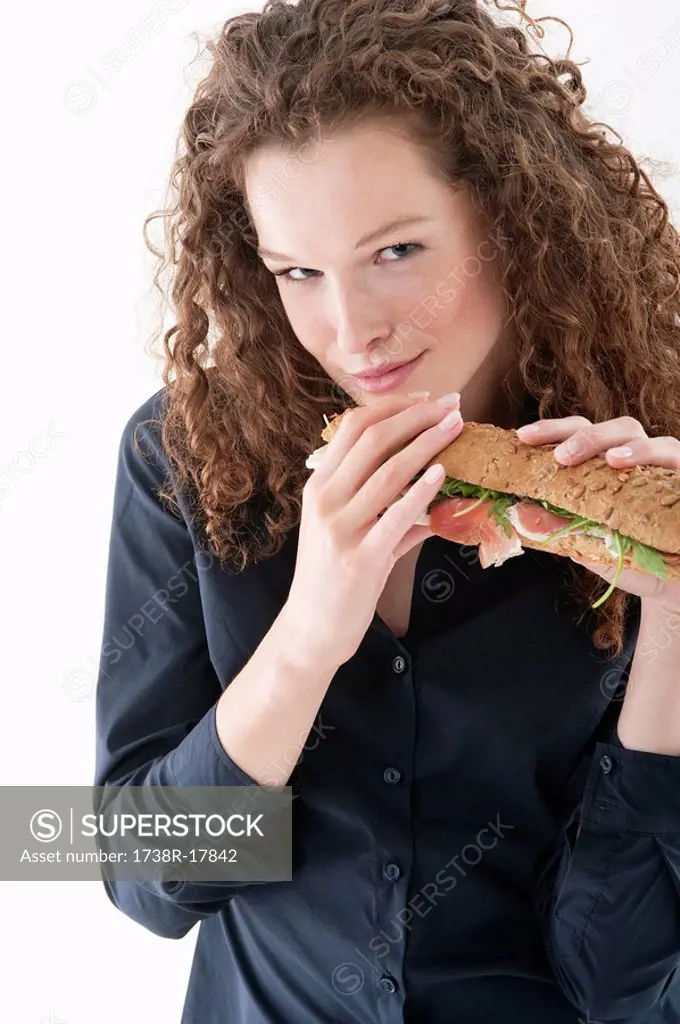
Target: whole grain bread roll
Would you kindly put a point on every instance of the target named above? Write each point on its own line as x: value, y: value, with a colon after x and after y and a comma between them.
x: 642, y: 502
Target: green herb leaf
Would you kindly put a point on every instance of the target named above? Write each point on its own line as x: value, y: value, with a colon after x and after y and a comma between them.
x: 499, y: 510
x: 622, y: 545
x: 578, y: 521
x: 555, y: 509
x: 650, y: 560
x: 465, y: 511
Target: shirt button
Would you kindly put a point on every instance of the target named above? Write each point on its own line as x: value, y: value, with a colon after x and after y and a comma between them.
x: 399, y: 664
x: 391, y: 775
x: 392, y: 871
x: 606, y: 763
x: 387, y: 985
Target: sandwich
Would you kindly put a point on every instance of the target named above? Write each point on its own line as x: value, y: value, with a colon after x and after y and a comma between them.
x: 502, y: 495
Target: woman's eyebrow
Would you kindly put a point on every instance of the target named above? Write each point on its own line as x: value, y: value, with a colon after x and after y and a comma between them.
x: 400, y: 222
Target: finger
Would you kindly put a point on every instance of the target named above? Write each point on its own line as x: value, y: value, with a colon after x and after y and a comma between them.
x: 605, y: 571
x: 400, y: 469
x: 551, y: 431
x: 648, y: 451
x: 354, y: 421
x: 596, y: 438
x: 414, y: 536
x: 641, y: 584
x: 395, y: 528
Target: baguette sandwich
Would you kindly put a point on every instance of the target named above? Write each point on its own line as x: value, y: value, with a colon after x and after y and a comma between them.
x: 503, y: 495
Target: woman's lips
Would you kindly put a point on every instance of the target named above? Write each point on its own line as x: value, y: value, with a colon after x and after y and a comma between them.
x: 392, y: 378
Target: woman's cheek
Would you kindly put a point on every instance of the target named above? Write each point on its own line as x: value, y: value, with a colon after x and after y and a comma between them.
x: 309, y: 328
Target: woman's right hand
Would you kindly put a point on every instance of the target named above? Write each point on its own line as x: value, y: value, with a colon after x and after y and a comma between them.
x: 346, y: 548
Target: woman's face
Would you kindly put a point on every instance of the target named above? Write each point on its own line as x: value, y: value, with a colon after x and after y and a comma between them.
x: 357, y: 303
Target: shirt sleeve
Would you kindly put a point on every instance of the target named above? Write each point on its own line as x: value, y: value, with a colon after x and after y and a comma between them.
x: 608, y: 897
x: 157, y: 688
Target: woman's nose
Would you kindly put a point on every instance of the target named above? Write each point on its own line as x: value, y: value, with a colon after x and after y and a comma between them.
x: 359, y: 323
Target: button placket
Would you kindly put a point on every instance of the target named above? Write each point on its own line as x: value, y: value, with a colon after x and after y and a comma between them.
x: 392, y: 871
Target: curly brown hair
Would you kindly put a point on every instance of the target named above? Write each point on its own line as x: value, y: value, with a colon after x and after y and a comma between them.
x: 591, y: 271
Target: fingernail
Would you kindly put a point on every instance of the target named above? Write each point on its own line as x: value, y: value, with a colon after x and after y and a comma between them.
x: 528, y: 428
x: 451, y: 399
x: 573, y: 446
x: 433, y: 473
x: 418, y: 394
x: 621, y: 453
x: 450, y: 420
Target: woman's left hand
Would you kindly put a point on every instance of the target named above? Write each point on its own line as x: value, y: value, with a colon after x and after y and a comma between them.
x: 624, y: 443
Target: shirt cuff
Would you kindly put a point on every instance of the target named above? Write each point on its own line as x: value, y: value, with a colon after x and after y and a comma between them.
x: 201, y: 760
x: 632, y: 791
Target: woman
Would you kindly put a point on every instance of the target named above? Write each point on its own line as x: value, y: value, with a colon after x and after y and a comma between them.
x: 486, y: 821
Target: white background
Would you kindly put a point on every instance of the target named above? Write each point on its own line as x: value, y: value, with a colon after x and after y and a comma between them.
x: 89, y: 137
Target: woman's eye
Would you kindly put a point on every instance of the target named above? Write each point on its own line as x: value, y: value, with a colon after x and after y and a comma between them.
x: 285, y: 274
x: 402, y: 245
x: 299, y: 280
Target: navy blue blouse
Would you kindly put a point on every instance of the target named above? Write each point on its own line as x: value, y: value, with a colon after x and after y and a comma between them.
x: 471, y: 842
